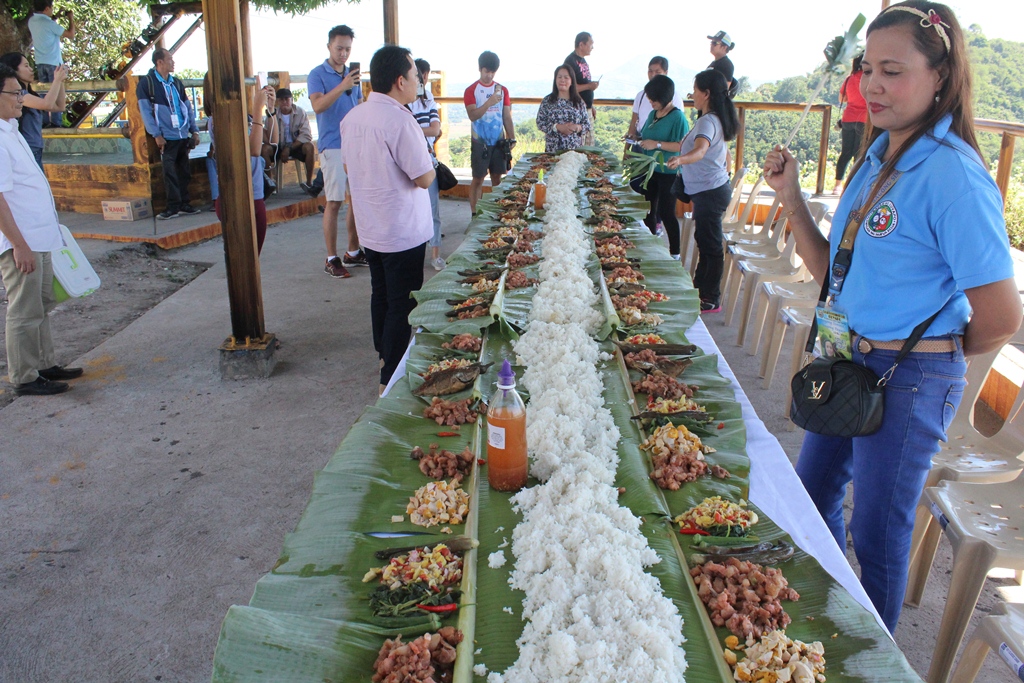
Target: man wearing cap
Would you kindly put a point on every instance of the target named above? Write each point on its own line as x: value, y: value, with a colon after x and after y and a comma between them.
x: 721, y: 46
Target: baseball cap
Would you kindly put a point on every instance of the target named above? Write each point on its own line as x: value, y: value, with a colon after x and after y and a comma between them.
x: 723, y: 38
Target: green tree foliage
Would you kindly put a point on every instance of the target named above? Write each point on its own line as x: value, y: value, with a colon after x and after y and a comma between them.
x: 104, y: 26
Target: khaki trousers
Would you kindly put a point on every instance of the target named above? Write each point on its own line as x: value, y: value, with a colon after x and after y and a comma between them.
x: 29, y: 302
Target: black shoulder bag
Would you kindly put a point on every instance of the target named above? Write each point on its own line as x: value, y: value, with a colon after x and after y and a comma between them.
x: 835, y: 396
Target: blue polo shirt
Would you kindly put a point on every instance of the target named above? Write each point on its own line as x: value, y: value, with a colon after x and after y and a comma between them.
x: 324, y: 79
x: 937, y: 232
x: 46, y: 35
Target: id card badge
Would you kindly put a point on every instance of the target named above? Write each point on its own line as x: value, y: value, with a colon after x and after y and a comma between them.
x: 174, y: 121
x: 833, y: 334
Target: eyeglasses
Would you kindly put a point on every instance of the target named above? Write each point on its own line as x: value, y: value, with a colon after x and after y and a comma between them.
x: 17, y: 93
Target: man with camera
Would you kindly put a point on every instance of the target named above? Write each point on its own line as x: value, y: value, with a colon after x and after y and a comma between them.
x: 334, y: 91
x: 171, y: 120
x: 46, y: 37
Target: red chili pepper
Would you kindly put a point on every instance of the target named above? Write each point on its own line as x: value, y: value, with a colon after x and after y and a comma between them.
x: 439, y: 609
x: 721, y: 425
x: 481, y: 462
x: 693, y: 531
x: 448, y: 433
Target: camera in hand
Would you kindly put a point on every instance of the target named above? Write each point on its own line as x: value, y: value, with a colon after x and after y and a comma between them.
x: 353, y: 67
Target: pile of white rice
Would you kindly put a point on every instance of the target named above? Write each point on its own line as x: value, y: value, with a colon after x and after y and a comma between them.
x: 593, y: 613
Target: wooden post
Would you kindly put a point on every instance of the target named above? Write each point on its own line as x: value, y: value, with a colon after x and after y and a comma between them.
x: 826, y: 126
x: 136, y: 128
x: 1005, y: 164
x: 741, y: 129
x: 391, y: 22
x: 243, y: 16
x: 224, y: 39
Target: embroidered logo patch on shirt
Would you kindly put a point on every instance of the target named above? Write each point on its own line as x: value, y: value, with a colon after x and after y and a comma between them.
x: 882, y: 220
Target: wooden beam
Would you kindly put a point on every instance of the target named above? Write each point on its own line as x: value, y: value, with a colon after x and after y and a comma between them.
x: 224, y: 39
x: 172, y: 8
x: 741, y: 129
x: 136, y: 128
x: 391, y: 22
x: 243, y: 16
x: 826, y: 128
x: 1005, y: 165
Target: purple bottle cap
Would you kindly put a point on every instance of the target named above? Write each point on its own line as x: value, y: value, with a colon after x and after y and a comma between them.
x: 506, y: 377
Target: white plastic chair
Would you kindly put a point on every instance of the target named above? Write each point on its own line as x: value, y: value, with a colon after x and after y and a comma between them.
x: 1001, y: 631
x: 967, y: 456
x: 983, y: 523
x: 750, y: 273
x: 771, y: 296
x: 789, y: 317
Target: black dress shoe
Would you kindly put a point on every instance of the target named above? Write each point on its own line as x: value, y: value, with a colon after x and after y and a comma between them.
x: 41, y: 387
x: 59, y: 372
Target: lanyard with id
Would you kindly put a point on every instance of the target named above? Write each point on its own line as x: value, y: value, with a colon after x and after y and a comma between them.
x: 831, y: 324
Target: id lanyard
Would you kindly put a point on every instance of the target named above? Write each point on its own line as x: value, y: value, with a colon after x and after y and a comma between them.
x: 844, y: 255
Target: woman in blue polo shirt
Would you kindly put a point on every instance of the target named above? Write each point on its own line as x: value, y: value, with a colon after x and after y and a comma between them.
x: 935, y: 242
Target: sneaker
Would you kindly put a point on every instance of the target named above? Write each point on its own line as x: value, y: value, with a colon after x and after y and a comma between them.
x: 189, y: 210
x: 358, y: 260
x: 659, y: 229
x: 308, y: 189
x: 710, y: 307
x: 335, y: 268
x: 41, y: 387
x: 166, y: 215
x: 675, y: 257
x: 438, y: 263
x: 59, y: 372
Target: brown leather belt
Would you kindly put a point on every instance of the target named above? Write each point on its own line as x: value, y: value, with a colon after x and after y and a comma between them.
x: 949, y: 345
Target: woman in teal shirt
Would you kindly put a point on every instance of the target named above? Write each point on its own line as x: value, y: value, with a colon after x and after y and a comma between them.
x: 665, y: 127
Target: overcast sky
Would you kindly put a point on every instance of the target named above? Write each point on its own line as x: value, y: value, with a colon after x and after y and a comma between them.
x: 774, y: 39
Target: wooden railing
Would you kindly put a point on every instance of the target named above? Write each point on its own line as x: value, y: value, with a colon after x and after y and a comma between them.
x: 1010, y: 132
x: 741, y: 111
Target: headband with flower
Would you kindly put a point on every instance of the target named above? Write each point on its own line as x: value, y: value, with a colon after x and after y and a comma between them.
x: 929, y: 20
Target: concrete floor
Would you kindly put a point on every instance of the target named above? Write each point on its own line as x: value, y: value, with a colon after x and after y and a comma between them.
x: 135, y: 509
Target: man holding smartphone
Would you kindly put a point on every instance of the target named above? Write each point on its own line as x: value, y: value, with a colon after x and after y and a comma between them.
x: 46, y: 36
x: 490, y: 110
x: 334, y: 91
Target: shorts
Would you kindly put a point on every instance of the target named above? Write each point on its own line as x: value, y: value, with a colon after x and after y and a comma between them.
x: 335, y: 180
x: 486, y: 160
x: 294, y: 151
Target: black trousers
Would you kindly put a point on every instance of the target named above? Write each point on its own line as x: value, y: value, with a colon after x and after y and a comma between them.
x: 176, y: 173
x: 852, y: 133
x: 663, y: 206
x: 393, y: 279
x: 708, y: 208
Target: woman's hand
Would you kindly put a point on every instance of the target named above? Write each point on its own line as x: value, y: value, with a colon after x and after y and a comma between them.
x: 674, y: 162
x: 649, y: 144
x: 60, y: 74
x: 782, y: 174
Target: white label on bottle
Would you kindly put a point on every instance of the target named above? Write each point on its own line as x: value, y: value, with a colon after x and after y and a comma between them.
x: 1010, y: 658
x: 495, y: 436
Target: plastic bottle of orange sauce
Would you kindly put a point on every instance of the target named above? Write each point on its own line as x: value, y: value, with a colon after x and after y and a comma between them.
x: 506, y: 435
x: 540, y: 191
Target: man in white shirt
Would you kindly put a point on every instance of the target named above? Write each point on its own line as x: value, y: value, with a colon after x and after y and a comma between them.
x: 29, y: 231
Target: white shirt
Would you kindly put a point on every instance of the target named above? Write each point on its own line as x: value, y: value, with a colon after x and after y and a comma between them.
x: 642, y: 108
x: 27, y: 192
x: 286, y: 128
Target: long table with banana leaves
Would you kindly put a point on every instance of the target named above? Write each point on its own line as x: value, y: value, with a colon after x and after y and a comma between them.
x: 309, y: 618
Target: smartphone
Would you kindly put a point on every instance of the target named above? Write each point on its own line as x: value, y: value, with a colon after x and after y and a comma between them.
x: 262, y: 76
x: 353, y: 67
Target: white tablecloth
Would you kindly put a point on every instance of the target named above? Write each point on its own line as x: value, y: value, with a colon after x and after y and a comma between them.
x: 774, y: 486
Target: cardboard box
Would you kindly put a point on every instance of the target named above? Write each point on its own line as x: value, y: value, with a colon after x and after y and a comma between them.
x: 128, y: 209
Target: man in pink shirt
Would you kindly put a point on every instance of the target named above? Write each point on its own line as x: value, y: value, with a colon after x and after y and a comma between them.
x: 389, y: 171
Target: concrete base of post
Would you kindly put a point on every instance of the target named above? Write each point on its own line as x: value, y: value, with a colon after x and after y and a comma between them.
x: 249, y: 359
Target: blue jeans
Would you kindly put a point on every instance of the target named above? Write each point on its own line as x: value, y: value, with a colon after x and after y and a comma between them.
x: 434, y: 191
x: 888, y: 469
x: 44, y: 72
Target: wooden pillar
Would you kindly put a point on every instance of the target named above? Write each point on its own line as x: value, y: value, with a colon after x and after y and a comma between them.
x: 136, y: 128
x: 1005, y: 165
x: 741, y: 129
x: 154, y: 17
x: 391, y: 22
x: 224, y: 39
x: 826, y: 127
x: 243, y: 17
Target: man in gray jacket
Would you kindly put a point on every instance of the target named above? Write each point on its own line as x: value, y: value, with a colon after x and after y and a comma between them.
x: 295, y: 136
